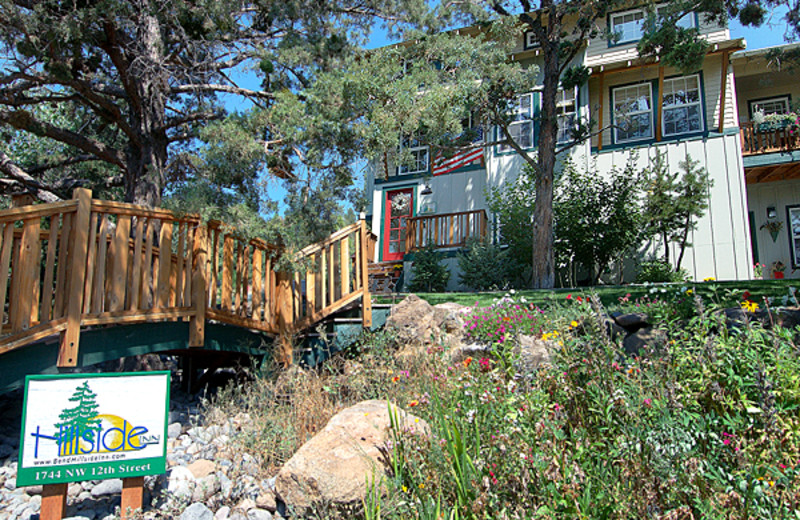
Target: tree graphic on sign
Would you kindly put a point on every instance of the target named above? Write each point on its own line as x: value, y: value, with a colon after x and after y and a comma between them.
x: 78, y: 423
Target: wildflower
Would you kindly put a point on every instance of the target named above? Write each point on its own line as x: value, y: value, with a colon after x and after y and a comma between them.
x: 749, y: 306
x: 395, y: 379
x: 421, y: 485
x: 405, y: 489
x: 413, y: 403
x: 709, y: 279
x: 467, y: 361
x: 771, y: 483
x: 573, y: 324
x: 648, y: 402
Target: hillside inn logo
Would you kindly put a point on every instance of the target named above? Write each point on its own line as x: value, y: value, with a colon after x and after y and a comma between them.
x: 93, y: 426
x: 82, y: 431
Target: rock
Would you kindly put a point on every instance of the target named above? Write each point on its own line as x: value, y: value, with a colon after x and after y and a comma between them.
x: 336, y: 464
x: 180, y: 482
x: 79, y: 517
x: 205, y: 488
x: 74, y: 490
x: 33, y: 490
x: 202, y: 468
x: 259, y: 514
x: 197, y: 511
x: 633, y: 321
x: 647, y: 337
x: 245, y: 505
x: 107, y: 487
x: 267, y: 501
x: 174, y: 430
x: 533, y: 352
x: 412, y: 320
x: 613, y: 330
x: 222, y: 513
x: 10, y: 484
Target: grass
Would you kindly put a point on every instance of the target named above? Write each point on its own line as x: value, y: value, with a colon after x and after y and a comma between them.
x: 609, y: 295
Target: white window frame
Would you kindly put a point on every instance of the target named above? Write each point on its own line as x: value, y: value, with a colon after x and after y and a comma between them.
x: 756, y: 104
x: 520, y: 117
x: 698, y: 104
x: 794, y: 233
x: 420, y: 154
x: 649, y: 111
x: 639, y: 31
x: 568, y: 119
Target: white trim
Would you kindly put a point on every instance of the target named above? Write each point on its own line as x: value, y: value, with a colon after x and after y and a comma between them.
x: 421, y: 158
x: 637, y: 15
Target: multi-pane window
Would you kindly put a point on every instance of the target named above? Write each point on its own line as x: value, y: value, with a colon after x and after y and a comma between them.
x: 682, y: 110
x: 521, y: 127
x: 633, y: 113
x: 530, y: 40
x: 627, y: 26
x: 777, y: 105
x: 566, y: 110
x: 415, y: 157
x: 794, y: 229
x: 686, y: 21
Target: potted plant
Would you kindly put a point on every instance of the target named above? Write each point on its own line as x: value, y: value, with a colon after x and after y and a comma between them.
x: 778, y: 268
x: 758, y: 270
x: 774, y: 227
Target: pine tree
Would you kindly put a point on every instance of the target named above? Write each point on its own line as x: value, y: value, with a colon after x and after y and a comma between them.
x: 78, y: 423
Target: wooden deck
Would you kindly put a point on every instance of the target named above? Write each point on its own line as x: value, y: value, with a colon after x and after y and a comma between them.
x: 84, y: 262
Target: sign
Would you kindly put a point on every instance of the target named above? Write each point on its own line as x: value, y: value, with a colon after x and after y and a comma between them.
x: 93, y: 426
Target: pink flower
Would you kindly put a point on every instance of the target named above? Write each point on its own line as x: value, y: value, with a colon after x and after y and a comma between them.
x: 648, y: 402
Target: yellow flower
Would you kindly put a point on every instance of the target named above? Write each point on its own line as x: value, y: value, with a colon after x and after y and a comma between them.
x: 709, y: 279
x: 422, y: 485
x: 771, y: 483
x: 689, y: 291
x: 573, y: 324
x: 749, y: 305
x: 405, y: 489
x: 413, y: 403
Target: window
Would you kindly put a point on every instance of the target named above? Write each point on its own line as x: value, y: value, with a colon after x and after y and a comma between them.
x: 416, y: 160
x: 682, y: 112
x: 633, y: 113
x: 794, y: 233
x: 777, y: 105
x: 566, y: 110
x: 627, y: 26
x: 521, y: 127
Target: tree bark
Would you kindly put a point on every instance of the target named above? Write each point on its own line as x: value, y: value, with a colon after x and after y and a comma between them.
x: 147, y: 159
x: 543, y: 262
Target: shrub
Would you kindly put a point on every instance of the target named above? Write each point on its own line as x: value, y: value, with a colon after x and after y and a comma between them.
x: 659, y: 271
x: 484, y: 266
x: 428, y: 274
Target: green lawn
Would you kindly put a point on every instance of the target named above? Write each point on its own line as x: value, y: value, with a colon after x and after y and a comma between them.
x: 611, y: 294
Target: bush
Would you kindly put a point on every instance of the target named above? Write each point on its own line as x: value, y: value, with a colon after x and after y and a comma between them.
x: 428, y: 274
x: 659, y: 271
x: 484, y: 266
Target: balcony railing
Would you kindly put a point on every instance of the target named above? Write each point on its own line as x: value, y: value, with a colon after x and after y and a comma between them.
x: 763, y: 138
x: 445, y: 230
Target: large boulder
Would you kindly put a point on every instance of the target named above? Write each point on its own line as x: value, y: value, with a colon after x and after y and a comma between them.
x: 335, y: 466
x: 412, y: 320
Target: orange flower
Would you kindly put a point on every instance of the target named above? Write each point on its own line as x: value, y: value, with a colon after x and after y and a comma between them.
x: 467, y: 361
x: 413, y: 403
x: 395, y: 379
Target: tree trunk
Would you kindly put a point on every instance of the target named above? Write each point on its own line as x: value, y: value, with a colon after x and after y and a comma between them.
x: 147, y: 159
x: 543, y: 263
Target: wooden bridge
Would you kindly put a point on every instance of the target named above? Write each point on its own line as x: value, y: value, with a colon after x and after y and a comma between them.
x: 72, y: 268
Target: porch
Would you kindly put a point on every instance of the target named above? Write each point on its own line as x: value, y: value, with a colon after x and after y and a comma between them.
x: 445, y: 231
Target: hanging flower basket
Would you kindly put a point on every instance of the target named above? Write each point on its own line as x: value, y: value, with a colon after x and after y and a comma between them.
x: 774, y: 227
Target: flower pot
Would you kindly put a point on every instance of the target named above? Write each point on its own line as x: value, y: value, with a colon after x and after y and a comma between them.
x: 778, y: 275
x: 774, y: 235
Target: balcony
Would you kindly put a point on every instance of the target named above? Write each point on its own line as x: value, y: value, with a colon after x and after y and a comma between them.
x: 768, y: 138
x: 447, y: 230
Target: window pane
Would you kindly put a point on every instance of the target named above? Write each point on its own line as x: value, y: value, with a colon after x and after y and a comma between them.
x: 682, y: 111
x: 628, y: 26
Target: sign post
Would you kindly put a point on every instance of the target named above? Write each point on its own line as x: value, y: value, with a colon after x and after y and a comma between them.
x: 93, y: 427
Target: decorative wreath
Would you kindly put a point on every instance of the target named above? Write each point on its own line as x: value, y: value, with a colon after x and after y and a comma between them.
x: 400, y: 202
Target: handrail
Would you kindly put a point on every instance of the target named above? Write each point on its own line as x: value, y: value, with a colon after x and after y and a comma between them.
x: 760, y: 139
x: 87, y: 262
x: 445, y: 229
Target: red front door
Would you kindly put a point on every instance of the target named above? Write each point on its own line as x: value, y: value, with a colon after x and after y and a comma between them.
x: 399, y: 206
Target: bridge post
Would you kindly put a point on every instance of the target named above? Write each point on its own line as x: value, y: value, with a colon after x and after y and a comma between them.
x: 285, y: 303
x: 79, y: 245
x: 197, y: 325
x: 366, y: 299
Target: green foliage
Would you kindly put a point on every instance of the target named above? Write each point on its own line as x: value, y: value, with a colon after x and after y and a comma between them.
x: 484, y: 266
x: 674, y: 203
x: 428, y: 274
x: 598, y: 217
x: 78, y: 422
x: 659, y: 271
x: 513, y: 206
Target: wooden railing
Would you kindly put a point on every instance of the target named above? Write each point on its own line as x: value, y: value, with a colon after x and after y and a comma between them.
x: 756, y: 139
x: 445, y: 230
x: 86, y: 262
